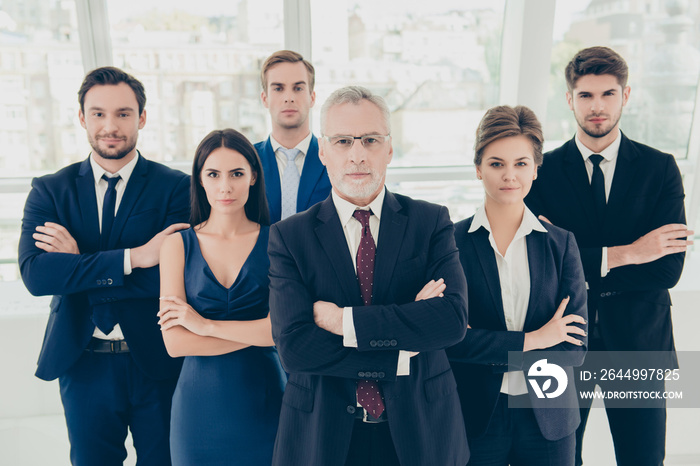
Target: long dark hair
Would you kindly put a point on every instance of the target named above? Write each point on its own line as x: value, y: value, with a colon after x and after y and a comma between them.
x: 256, y: 207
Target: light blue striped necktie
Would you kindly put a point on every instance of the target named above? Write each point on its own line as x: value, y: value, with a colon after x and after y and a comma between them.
x: 290, y: 183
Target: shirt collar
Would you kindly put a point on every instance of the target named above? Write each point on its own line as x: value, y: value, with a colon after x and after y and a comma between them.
x: 527, y: 225
x: 303, y: 145
x: 125, y: 171
x: 345, y: 209
x: 609, y: 153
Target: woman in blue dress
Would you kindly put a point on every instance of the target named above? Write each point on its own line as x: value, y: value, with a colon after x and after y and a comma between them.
x: 214, y: 311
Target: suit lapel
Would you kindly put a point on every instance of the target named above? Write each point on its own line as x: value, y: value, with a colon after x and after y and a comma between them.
x: 575, y: 171
x: 330, y: 234
x: 487, y: 260
x: 310, y: 174
x: 391, y: 232
x: 537, y: 266
x: 625, y: 171
x: 87, y: 200
x: 272, y: 180
x: 137, y: 181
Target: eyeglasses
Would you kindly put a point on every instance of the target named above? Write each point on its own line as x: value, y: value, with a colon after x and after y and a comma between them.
x: 369, y: 141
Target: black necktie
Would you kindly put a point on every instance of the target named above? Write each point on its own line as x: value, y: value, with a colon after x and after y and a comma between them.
x: 110, y: 200
x: 368, y: 393
x: 598, y: 185
x: 103, y: 316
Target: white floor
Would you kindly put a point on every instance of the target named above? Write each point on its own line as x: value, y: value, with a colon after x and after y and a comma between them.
x: 33, y: 433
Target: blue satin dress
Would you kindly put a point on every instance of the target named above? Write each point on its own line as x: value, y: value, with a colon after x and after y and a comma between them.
x: 226, y: 408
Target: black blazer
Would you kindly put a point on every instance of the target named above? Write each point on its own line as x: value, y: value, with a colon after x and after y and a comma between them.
x: 155, y: 198
x: 310, y: 261
x: 632, y: 301
x: 480, y: 360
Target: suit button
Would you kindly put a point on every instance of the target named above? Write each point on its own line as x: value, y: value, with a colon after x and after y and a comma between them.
x: 380, y: 343
x: 375, y: 375
x: 109, y: 281
x: 381, y: 375
x: 373, y: 343
x: 99, y: 282
x: 387, y: 342
x: 104, y: 282
x: 393, y: 342
x: 361, y: 375
x: 351, y: 409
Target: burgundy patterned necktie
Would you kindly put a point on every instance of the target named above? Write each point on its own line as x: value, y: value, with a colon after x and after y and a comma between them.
x: 368, y: 393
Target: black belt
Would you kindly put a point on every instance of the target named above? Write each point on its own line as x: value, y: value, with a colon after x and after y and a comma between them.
x: 97, y: 345
x: 362, y: 414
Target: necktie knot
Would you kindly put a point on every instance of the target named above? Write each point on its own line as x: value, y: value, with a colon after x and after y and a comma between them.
x: 291, y: 154
x: 596, y: 159
x: 362, y: 216
x: 111, y: 181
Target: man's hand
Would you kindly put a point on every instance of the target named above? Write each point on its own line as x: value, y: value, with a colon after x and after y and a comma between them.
x: 329, y: 317
x: 148, y: 255
x: 654, y: 245
x: 432, y: 289
x: 52, y: 237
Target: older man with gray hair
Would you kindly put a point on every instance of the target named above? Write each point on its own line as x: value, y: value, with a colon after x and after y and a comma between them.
x: 366, y: 291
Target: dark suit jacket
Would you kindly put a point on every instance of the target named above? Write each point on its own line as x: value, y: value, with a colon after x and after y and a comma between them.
x: 632, y: 301
x: 310, y: 261
x: 481, y: 358
x: 155, y: 197
x: 314, y: 185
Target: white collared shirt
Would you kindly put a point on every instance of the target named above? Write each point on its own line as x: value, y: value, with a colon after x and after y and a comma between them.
x: 352, y: 228
x: 514, y: 278
x: 281, y: 159
x: 100, y: 189
x: 607, y: 166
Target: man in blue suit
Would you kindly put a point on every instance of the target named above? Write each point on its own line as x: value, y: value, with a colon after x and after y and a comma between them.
x: 363, y: 339
x: 295, y: 179
x: 91, y: 236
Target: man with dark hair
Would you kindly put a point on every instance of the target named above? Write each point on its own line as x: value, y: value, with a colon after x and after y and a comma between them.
x: 624, y: 203
x: 91, y: 235
x: 295, y: 179
x: 348, y: 327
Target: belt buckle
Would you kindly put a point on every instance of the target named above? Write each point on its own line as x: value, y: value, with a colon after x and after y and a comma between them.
x: 115, y: 346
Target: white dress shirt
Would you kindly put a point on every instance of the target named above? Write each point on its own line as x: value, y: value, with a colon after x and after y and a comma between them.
x: 607, y: 166
x: 514, y: 278
x: 352, y: 228
x: 281, y: 159
x: 100, y: 189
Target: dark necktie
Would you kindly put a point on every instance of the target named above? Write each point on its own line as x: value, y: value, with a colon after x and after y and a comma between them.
x: 598, y: 184
x: 110, y: 201
x: 103, y: 317
x: 369, y: 396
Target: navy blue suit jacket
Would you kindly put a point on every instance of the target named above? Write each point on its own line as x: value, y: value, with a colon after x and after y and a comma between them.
x: 155, y: 197
x: 633, y: 303
x: 480, y: 360
x: 314, y: 185
x: 310, y: 261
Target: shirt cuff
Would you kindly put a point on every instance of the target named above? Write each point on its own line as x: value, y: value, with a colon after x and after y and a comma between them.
x: 404, y: 364
x: 604, y: 263
x: 349, y: 336
x: 127, y: 261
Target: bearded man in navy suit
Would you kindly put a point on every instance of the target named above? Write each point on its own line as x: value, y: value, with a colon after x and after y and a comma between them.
x: 295, y: 178
x: 91, y: 236
x: 366, y: 291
